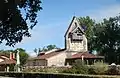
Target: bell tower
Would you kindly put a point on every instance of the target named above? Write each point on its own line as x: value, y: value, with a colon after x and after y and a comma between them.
x: 75, y: 39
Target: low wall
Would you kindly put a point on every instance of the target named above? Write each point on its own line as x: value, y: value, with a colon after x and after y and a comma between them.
x: 51, y: 75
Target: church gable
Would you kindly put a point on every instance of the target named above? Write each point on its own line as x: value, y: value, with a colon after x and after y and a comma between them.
x: 75, y: 39
x: 76, y: 34
x: 73, y: 26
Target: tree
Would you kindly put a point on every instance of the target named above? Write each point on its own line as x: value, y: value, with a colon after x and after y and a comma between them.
x: 45, y: 48
x: 108, y: 39
x: 88, y: 24
x: 36, y: 52
x: 23, y: 56
x: 6, y: 52
x: 50, y: 47
x: 14, y: 15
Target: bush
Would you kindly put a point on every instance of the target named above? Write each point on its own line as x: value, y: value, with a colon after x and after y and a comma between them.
x: 113, y: 70
x: 45, y: 69
x: 78, y: 68
x: 98, y: 68
x: 52, y: 70
x: 69, y: 70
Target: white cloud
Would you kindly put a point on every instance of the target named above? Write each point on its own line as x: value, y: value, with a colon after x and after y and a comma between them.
x: 31, y: 53
x: 40, y: 34
x: 106, y: 12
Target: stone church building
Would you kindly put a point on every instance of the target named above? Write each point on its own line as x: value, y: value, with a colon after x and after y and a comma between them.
x: 75, y: 48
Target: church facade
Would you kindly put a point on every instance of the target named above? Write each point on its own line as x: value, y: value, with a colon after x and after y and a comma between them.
x: 75, y: 48
x: 75, y: 39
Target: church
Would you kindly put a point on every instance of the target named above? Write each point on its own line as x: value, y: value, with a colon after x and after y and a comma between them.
x: 76, y: 48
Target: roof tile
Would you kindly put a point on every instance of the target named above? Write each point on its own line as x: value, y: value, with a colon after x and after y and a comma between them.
x: 86, y: 55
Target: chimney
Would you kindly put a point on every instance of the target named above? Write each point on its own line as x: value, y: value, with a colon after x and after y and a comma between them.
x: 11, y: 55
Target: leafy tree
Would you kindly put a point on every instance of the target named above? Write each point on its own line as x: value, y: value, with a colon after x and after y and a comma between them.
x: 35, y: 50
x: 6, y: 52
x: 45, y: 48
x: 88, y: 25
x: 39, y: 50
x: 23, y: 56
x: 14, y: 15
x: 108, y: 39
x: 50, y: 47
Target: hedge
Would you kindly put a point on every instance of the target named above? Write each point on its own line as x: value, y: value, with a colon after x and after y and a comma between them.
x: 52, y: 75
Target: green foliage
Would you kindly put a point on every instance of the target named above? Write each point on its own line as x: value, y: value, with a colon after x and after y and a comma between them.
x: 108, y: 39
x: 113, y: 70
x: 103, y: 37
x: 45, y: 48
x: 69, y: 70
x: 23, y: 56
x: 78, y: 68
x: 14, y: 15
x: 98, y: 68
x: 45, y: 69
x: 35, y: 50
x: 6, y: 52
x: 88, y: 24
x: 11, y: 67
x: 49, y: 47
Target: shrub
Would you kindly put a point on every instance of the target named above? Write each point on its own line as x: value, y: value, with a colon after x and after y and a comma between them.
x: 113, y: 70
x: 69, y: 70
x: 52, y: 70
x: 78, y: 68
x: 45, y: 69
x: 98, y: 68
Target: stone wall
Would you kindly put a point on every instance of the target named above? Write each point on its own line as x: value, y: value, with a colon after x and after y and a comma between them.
x: 37, y: 63
x: 57, y: 60
x: 80, y: 46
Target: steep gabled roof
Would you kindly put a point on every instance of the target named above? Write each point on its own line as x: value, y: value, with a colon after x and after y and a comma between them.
x: 74, y: 19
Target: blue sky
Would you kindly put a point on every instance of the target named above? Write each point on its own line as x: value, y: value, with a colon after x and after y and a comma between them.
x: 55, y: 17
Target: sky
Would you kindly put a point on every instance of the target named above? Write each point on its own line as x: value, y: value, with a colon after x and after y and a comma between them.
x: 56, y: 16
